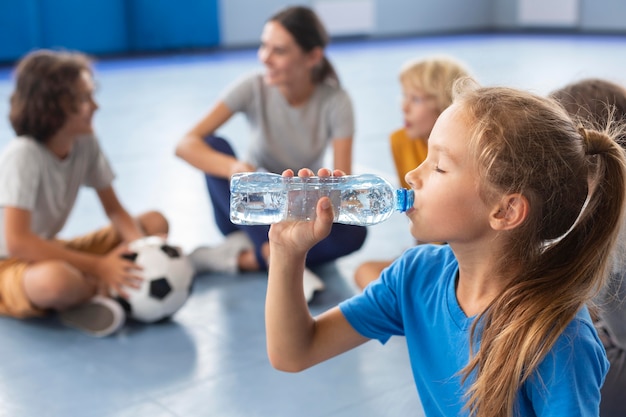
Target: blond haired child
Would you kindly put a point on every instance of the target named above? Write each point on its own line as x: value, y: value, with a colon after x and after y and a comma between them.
x: 426, y: 92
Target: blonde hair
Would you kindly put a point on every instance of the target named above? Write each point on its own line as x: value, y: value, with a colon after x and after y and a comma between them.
x: 556, y: 261
x: 434, y: 76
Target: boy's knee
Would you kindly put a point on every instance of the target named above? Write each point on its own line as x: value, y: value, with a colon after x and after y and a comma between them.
x: 154, y: 223
x: 55, y: 284
x: 219, y: 144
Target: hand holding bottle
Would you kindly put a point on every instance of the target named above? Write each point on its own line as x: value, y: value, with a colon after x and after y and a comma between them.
x: 298, y: 237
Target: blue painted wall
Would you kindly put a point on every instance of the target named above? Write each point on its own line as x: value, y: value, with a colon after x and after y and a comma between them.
x: 172, y: 24
x: 130, y: 26
x: 94, y: 26
x: 20, y: 29
x: 102, y: 27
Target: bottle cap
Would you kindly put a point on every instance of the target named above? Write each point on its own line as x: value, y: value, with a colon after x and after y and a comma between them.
x: 404, y: 199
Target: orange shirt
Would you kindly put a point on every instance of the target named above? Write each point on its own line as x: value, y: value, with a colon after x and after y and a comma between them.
x: 407, y: 153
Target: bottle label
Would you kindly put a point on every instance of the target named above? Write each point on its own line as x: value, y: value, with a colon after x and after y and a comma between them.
x: 302, y: 200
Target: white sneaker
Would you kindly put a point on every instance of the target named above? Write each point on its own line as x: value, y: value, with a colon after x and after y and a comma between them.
x: 100, y: 316
x: 221, y: 258
x: 311, y: 283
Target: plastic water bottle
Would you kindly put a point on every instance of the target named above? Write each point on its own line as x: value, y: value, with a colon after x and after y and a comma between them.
x: 266, y: 198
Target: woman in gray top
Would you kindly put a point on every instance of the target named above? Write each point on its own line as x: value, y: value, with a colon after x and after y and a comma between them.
x: 597, y: 102
x: 295, y: 109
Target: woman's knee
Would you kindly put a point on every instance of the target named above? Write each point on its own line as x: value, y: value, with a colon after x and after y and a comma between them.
x: 360, y: 234
x: 219, y: 144
x: 349, y: 238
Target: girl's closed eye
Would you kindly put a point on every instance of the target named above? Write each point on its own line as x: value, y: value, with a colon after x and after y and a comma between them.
x: 438, y: 169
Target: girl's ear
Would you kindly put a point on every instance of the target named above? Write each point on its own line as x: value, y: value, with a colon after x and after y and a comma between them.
x: 510, y: 212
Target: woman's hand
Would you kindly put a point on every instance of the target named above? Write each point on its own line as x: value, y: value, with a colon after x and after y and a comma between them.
x: 298, y: 237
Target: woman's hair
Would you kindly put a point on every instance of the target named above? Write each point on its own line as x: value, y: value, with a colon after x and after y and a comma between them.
x: 434, y: 76
x: 555, y: 262
x: 45, y: 92
x: 309, y: 33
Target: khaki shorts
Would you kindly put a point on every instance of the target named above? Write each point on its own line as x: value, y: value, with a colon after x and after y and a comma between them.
x: 13, y: 299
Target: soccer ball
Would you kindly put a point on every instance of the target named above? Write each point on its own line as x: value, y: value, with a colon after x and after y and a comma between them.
x: 168, y: 278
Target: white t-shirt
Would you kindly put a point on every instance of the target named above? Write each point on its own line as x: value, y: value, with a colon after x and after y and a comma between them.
x: 290, y: 137
x: 33, y: 178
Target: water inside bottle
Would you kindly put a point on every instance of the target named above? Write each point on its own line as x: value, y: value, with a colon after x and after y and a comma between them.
x: 365, y: 205
x: 257, y: 207
x: 258, y: 200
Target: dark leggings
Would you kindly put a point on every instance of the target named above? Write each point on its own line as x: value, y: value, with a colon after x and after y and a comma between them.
x: 343, y: 239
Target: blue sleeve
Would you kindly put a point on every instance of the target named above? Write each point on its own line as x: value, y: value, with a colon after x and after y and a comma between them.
x: 569, y: 378
x: 375, y: 313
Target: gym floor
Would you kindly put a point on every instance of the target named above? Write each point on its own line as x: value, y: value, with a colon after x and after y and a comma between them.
x: 210, y: 359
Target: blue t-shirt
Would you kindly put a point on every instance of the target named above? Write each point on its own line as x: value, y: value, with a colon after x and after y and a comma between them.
x: 416, y: 297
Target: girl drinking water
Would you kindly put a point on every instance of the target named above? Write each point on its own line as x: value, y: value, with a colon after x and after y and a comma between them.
x: 496, y: 321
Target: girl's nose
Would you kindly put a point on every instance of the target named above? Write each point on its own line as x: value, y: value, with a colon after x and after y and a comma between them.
x: 412, y: 178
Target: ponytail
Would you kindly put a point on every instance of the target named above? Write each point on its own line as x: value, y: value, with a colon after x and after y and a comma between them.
x: 325, y: 72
